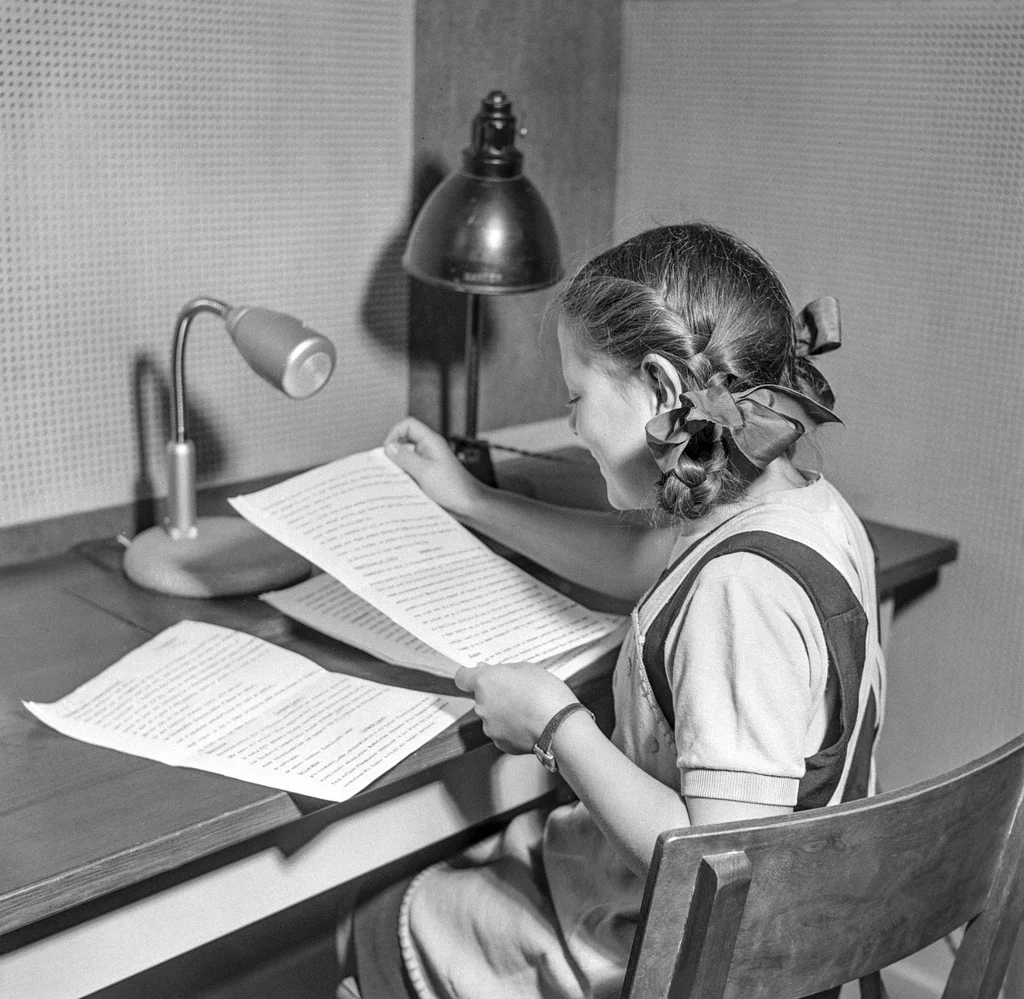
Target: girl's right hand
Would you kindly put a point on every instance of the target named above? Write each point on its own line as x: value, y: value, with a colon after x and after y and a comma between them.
x: 429, y: 461
x: 515, y: 701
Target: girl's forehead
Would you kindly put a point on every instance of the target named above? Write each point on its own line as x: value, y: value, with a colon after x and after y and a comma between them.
x: 565, y: 333
x: 579, y: 368
x: 569, y: 345
x: 586, y: 372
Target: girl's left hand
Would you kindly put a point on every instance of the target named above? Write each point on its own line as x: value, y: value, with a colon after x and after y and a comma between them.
x: 515, y: 701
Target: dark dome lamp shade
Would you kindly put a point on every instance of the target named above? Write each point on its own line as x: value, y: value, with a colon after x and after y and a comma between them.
x: 485, y: 230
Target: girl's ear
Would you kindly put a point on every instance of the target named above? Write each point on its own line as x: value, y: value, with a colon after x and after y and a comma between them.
x: 663, y: 380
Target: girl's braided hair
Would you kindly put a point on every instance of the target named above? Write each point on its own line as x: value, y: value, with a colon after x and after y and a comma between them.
x: 708, y: 303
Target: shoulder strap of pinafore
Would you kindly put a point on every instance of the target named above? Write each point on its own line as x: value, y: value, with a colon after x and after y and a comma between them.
x: 844, y: 623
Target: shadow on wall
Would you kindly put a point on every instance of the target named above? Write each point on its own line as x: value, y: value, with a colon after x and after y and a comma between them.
x: 151, y: 401
x: 383, y: 309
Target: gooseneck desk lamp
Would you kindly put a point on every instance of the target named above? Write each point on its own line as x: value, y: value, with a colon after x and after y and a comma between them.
x: 194, y: 556
x: 484, y: 230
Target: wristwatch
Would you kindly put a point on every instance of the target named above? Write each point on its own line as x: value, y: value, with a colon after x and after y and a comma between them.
x: 542, y: 747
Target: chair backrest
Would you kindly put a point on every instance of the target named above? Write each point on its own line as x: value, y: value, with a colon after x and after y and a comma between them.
x: 790, y: 906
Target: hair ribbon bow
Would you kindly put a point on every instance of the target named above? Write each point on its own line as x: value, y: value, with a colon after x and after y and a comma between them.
x: 817, y: 332
x: 763, y: 422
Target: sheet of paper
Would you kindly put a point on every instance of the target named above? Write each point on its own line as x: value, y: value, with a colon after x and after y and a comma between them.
x: 364, y: 521
x: 324, y: 603
x: 330, y: 607
x: 199, y: 695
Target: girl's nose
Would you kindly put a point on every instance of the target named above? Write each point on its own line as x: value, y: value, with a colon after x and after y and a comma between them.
x: 572, y: 420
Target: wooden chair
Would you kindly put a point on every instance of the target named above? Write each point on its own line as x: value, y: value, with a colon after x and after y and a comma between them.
x: 788, y: 907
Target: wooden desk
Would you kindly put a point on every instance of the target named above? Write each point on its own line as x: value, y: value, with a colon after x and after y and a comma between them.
x: 97, y: 847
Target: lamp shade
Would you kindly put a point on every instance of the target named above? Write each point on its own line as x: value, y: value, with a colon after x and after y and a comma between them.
x: 282, y: 350
x: 485, y: 229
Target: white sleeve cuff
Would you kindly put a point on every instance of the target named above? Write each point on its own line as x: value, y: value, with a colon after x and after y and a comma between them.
x: 731, y: 785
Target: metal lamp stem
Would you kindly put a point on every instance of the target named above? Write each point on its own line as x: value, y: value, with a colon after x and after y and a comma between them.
x: 473, y: 316
x: 185, y: 317
x: 180, y: 513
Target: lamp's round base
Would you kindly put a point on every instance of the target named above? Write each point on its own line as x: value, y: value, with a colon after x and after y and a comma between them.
x: 228, y: 557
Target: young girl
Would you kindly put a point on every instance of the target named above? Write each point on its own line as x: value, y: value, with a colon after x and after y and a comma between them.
x: 751, y: 682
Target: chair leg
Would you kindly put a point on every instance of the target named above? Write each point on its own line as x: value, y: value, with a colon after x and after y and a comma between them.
x: 871, y: 986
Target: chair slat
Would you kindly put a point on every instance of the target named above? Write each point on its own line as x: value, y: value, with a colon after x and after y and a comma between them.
x: 716, y: 909
x: 838, y: 893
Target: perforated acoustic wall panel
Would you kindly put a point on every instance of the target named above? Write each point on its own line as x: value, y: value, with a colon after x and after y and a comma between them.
x: 155, y: 150
x: 873, y: 150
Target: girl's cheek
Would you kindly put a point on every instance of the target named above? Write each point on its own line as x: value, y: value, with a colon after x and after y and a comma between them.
x: 578, y: 426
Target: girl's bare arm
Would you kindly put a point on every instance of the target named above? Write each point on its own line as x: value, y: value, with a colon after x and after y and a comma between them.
x: 603, y: 551
x: 631, y: 807
x: 516, y: 701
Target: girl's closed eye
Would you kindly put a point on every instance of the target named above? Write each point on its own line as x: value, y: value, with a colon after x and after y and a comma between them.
x: 572, y: 401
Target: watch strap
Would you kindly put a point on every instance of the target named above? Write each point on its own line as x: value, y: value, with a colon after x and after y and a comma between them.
x: 542, y: 747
